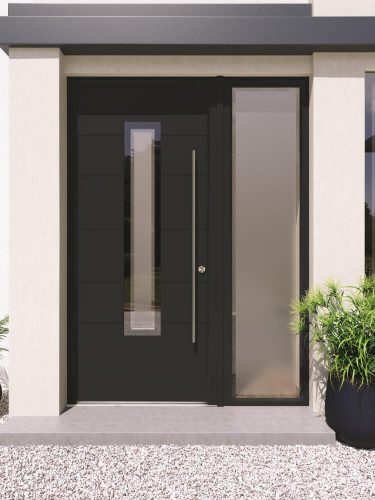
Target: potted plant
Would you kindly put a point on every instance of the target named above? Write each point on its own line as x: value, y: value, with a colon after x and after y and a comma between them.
x: 342, y: 326
x: 4, y: 330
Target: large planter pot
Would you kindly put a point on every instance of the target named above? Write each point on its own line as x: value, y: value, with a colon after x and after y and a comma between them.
x: 350, y: 412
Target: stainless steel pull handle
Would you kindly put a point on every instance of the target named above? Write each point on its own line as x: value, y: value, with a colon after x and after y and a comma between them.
x: 193, y: 249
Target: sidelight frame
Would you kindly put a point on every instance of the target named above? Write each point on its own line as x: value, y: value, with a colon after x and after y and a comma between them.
x: 267, y: 82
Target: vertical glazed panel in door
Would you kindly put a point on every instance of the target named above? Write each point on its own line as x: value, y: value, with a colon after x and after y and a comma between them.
x: 142, y: 229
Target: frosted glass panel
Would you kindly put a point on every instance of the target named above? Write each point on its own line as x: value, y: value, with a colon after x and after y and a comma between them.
x: 142, y: 306
x: 265, y: 241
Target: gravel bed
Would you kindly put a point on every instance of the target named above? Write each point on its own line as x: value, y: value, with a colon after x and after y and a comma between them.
x: 189, y: 472
x: 185, y: 472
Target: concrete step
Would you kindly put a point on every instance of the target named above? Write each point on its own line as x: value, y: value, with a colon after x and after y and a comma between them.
x: 177, y: 425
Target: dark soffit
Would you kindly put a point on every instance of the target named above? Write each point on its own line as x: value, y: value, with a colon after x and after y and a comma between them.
x: 200, y: 34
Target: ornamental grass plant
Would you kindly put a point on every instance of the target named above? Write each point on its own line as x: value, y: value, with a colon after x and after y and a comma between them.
x: 341, y: 321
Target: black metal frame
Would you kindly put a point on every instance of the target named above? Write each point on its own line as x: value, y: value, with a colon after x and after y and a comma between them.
x: 219, y: 223
x: 72, y: 242
x: 303, y: 85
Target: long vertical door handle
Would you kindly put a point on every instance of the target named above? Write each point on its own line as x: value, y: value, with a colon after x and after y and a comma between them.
x: 193, y: 249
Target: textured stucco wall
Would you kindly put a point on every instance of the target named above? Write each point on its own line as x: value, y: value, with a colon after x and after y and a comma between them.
x: 4, y: 196
x: 37, y: 232
x: 337, y: 173
x: 188, y: 65
x: 343, y: 7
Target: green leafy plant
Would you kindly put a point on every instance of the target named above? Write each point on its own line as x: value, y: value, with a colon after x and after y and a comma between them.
x: 4, y: 330
x: 342, y: 326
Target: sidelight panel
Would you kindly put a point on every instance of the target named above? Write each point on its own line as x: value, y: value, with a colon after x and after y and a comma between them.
x: 265, y: 251
x: 142, y: 229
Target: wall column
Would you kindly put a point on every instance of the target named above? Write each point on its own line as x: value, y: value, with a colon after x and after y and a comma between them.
x: 37, y: 232
x: 337, y: 168
x: 343, y: 7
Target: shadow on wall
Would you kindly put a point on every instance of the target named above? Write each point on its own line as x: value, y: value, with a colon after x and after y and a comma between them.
x: 4, y: 331
x: 4, y: 379
x: 318, y: 381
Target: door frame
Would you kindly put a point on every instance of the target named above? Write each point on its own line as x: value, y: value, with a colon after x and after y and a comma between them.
x: 214, y: 347
x: 219, y: 225
x: 303, y: 85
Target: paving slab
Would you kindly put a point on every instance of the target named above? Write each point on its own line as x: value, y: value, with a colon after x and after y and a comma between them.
x: 180, y: 425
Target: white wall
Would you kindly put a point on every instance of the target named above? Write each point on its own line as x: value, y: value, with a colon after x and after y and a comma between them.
x: 343, y: 7
x: 337, y: 167
x: 181, y: 66
x: 337, y: 174
x: 4, y: 191
x: 37, y: 232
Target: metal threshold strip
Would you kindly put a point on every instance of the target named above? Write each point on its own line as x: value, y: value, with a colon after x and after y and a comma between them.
x: 138, y: 403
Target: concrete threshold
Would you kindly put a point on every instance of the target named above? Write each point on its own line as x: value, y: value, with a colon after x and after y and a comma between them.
x: 171, y: 425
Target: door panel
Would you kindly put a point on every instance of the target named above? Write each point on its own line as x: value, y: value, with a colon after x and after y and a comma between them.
x: 100, y: 155
x: 108, y: 245
x: 175, y: 242
x: 100, y: 303
x: 176, y: 193
x: 182, y: 146
x: 100, y: 202
x: 178, y: 336
x: 116, y: 361
x: 111, y: 124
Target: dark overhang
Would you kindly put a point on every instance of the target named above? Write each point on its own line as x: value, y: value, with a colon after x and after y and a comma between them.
x: 188, y: 29
x: 168, y: 10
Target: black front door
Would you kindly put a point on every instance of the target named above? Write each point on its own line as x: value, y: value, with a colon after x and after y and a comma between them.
x: 188, y: 239
x: 138, y: 164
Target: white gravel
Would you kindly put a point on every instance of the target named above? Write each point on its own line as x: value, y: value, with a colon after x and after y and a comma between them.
x: 186, y: 472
